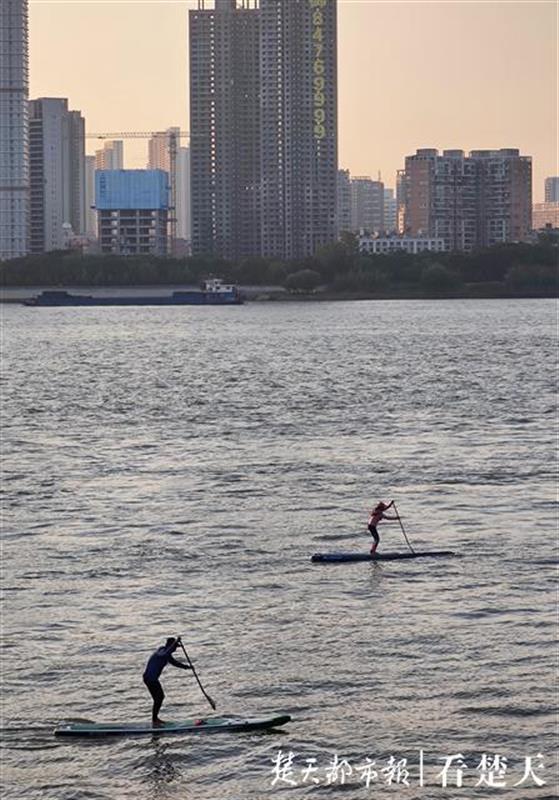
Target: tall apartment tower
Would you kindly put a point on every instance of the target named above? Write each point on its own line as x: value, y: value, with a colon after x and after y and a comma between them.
x: 400, y: 200
x: 159, y: 157
x: 57, y: 173
x: 470, y: 201
x: 441, y: 197
x: 505, y: 191
x: 111, y: 155
x: 14, y: 161
x: 159, y: 152
x: 299, y: 152
x: 552, y: 190
x: 263, y: 107
x: 367, y: 205
x: 224, y: 128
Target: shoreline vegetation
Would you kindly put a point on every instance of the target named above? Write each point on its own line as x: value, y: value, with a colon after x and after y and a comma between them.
x: 337, y: 272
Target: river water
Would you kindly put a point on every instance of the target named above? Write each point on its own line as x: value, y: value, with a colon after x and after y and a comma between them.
x: 171, y: 470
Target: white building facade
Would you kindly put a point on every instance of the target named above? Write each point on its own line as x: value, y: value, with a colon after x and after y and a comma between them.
x: 14, y: 160
x: 159, y: 157
x: 545, y: 215
x: 384, y: 245
x: 111, y: 155
x: 390, y: 211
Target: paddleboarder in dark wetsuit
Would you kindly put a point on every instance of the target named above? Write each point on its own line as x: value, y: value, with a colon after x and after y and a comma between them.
x: 155, y: 666
x: 377, y: 514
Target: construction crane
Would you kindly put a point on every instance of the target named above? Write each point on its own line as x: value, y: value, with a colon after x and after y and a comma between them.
x: 172, y: 135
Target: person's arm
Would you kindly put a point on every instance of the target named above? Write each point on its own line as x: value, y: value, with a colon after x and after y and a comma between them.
x: 179, y: 664
x: 392, y: 519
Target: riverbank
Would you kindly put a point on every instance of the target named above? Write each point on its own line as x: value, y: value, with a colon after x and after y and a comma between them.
x: 278, y: 294
x: 336, y: 272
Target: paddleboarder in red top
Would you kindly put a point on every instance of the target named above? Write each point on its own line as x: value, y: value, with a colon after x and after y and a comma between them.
x: 377, y: 514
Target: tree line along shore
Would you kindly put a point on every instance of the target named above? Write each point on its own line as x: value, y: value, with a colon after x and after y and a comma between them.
x: 338, y: 270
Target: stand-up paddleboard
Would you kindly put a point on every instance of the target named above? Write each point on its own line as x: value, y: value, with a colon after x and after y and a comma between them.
x: 204, y: 725
x: 332, y: 558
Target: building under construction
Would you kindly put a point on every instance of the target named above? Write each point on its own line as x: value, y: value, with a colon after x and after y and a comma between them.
x: 132, y: 211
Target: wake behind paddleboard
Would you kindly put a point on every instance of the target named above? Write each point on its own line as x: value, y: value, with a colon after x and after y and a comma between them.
x: 344, y: 557
x: 204, y: 725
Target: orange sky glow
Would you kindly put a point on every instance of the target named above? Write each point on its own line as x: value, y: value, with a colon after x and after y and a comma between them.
x: 467, y: 75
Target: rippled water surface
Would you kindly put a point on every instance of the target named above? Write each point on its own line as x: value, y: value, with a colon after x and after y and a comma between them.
x: 171, y: 470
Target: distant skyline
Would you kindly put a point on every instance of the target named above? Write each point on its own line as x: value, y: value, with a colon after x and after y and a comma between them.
x: 467, y: 75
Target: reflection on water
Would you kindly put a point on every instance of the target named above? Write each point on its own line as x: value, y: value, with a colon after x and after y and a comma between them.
x: 172, y: 470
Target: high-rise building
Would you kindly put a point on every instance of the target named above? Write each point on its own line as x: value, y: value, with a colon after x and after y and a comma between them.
x: 263, y: 123
x: 299, y: 144
x: 505, y: 191
x: 111, y: 155
x: 159, y: 149
x: 90, y: 213
x: 367, y: 205
x: 14, y: 161
x: 343, y: 202
x: 225, y: 128
x: 470, y: 201
x: 441, y: 197
x: 400, y: 200
x: 552, y: 190
x: 132, y: 211
x: 183, y: 212
x: 159, y: 157
x: 390, y: 211
x: 57, y: 173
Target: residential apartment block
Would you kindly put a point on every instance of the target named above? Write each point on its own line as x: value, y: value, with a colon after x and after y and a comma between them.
x: 475, y: 200
x: 14, y: 159
x: 390, y: 211
x: 90, y: 213
x: 343, y: 202
x: 111, y: 155
x: 367, y: 205
x: 159, y: 157
x: 299, y: 146
x: 263, y: 109
x: 225, y: 128
x: 57, y: 174
x: 552, y: 190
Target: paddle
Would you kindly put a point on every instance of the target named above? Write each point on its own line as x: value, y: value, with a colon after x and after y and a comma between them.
x: 191, y: 665
x: 402, y: 527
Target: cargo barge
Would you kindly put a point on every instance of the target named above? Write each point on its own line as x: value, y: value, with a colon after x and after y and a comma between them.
x: 212, y: 293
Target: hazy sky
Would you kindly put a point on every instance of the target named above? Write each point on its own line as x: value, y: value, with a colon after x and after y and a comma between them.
x: 468, y: 75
